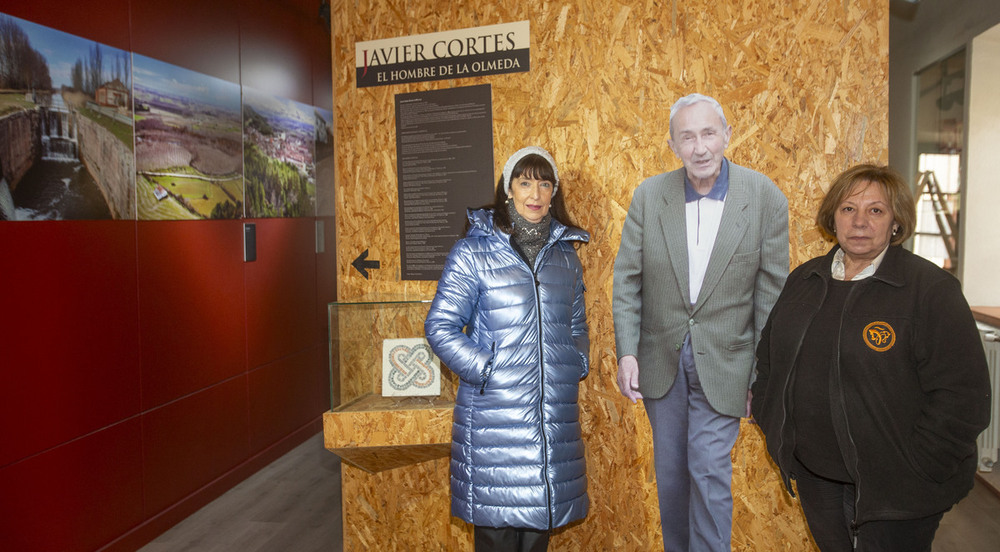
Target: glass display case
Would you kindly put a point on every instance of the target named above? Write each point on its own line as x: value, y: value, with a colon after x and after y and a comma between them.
x: 368, y: 426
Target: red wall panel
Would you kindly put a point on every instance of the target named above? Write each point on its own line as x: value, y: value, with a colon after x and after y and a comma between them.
x: 281, y: 290
x: 188, y: 443
x: 74, y: 497
x: 146, y: 364
x: 275, y: 50
x: 178, y: 511
x: 326, y: 277
x: 322, y: 71
x: 69, y: 341
x: 285, y: 395
x: 200, y: 36
x: 191, y: 305
x: 326, y: 289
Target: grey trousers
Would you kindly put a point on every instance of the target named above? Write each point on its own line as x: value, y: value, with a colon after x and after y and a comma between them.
x: 691, y: 447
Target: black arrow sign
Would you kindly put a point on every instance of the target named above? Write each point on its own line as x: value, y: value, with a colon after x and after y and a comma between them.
x: 360, y: 264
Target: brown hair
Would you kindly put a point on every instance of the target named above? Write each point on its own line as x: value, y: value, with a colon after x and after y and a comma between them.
x: 897, y: 193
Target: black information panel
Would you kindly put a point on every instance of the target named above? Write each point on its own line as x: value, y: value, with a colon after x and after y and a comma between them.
x: 444, y: 152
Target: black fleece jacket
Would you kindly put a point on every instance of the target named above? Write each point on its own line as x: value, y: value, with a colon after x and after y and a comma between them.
x: 908, y: 395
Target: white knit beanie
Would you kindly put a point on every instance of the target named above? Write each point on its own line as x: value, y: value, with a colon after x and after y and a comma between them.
x: 521, y: 154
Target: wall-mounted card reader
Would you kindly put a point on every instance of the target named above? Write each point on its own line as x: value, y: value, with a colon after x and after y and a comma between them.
x: 320, y: 237
x: 249, y: 242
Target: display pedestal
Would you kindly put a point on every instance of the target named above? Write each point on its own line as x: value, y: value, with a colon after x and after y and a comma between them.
x: 376, y: 433
x: 394, y: 475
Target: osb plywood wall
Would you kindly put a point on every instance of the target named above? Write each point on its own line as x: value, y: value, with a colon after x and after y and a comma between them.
x: 804, y: 84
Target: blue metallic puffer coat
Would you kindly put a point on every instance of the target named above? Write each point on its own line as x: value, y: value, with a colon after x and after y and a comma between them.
x: 517, y: 457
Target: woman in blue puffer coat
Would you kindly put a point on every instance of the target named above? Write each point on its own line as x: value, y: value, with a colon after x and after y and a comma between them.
x: 515, y: 284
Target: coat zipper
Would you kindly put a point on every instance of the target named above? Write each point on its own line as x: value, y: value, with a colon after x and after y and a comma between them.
x: 541, y: 373
x: 855, y: 529
x: 541, y: 393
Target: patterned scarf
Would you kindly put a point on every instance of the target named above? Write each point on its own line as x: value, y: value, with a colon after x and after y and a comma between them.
x: 529, y: 236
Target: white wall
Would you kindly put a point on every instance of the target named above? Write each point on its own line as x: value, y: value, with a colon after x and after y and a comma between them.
x: 980, y: 233
x: 919, y: 35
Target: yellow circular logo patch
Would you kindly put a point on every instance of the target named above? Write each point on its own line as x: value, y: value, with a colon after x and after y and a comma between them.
x: 879, y: 336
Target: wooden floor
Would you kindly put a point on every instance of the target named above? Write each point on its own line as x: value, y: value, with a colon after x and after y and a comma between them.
x: 973, y: 525
x: 291, y: 504
x: 294, y: 504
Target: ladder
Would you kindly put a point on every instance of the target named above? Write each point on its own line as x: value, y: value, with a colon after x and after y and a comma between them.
x: 947, y: 225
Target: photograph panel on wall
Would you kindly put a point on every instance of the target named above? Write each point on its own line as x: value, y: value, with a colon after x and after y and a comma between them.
x: 65, y: 124
x: 324, y: 162
x: 188, y: 144
x: 278, y: 152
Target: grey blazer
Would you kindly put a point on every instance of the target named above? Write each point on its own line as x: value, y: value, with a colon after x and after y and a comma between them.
x: 652, y: 304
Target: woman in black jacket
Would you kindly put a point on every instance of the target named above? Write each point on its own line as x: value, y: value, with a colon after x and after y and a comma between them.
x: 872, y: 383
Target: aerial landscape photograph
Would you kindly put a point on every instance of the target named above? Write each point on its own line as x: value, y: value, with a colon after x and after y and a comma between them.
x: 278, y: 155
x: 188, y: 144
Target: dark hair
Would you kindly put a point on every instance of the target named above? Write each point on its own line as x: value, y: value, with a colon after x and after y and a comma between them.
x: 897, y: 193
x: 532, y: 166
